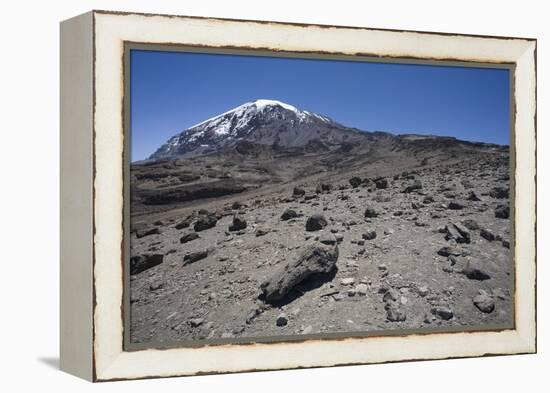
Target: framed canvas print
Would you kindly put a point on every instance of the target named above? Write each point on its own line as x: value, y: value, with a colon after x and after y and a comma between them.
x: 245, y: 195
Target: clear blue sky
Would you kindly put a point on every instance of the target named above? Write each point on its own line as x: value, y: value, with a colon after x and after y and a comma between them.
x: 171, y: 91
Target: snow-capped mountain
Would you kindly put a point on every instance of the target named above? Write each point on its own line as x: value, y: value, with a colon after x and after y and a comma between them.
x: 265, y: 122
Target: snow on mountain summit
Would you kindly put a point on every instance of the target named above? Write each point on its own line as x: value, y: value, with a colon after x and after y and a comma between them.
x: 263, y: 121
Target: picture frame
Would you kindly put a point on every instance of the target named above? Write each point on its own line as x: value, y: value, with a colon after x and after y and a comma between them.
x: 95, y: 174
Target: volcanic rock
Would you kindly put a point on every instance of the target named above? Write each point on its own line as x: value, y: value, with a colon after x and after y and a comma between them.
x: 502, y: 211
x: 484, y: 302
x: 239, y: 223
x: 316, y: 222
x: 314, y: 259
x: 194, y: 257
x: 140, y: 263
x: 188, y: 237
x: 205, y: 222
x: 288, y: 214
x: 474, y: 271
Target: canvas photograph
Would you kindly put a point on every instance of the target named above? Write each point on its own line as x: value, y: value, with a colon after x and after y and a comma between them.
x: 277, y: 197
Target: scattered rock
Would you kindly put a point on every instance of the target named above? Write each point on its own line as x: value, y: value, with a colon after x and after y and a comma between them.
x: 314, y: 259
x: 416, y: 185
x: 282, y: 320
x: 458, y: 232
x: 347, y: 281
x: 196, y: 322
x: 288, y: 214
x: 236, y: 205
x: 298, y: 192
x: 394, y: 313
x: 188, y: 237
x: 472, y: 196
x: 448, y: 251
x: 194, y: 257
x: 442, y: 312
x: 499, y: 192
x: 369, y: 235
x: 423, y: 291
x: 156, y: 287
x: 327, y: 238
x: 239, y: 223
x: 355, y: 181
x: 428, y: 200
x: 316, y: 222
x: 474, y: 271
x: 392, y: 300
x: 205, y: 222
x: 370, y: 212
x: 184, y: 223
x: 453, y: 205
x: 261, y: 232
x: 381, y: 183
x: 500, y: 293
x: 471, y: 224
x: 140, y: 263
x: 362, y: 289
x: 147, y: 232
x: 487, y: 235
x: 323, y: 187
x: 484, y: 302
x: 502, y: 211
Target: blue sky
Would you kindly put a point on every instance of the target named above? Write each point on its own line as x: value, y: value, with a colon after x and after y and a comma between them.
x: 171, y: 91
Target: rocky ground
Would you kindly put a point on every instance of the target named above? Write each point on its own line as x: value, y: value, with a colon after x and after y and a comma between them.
x: 399, y: 247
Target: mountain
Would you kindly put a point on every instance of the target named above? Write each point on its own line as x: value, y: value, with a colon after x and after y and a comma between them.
x: 262, y: 122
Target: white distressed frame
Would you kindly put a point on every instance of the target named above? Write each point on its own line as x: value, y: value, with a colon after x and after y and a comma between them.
x: 111, y: 30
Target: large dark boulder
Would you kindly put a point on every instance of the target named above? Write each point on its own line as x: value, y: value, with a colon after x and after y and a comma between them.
x: 147, y: 232
x: 298, y: 192
x: 288, y: 214
x: 194, y: 257
x: 381, y: 183
x: 140, y: 263
x: 355, y: 181
x: 484, y: 302
x: 369, y: 235
x: 189, y: 237
x: 454, y: 205
x: 185, y: 223
x: 238, y: 223
x: 316, y: 222
x: 315, y: 259
x: 499, y: 192
x: 458, y: 232
x: 205, y: 222
x: 472, y: 196
x: 502, y: 211
x: 416, y: 185
x: 323, y: 187
x: 474, y: 271
x: 370, y: 212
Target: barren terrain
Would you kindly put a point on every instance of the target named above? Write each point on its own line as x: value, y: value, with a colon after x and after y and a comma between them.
x: 256, y: 243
